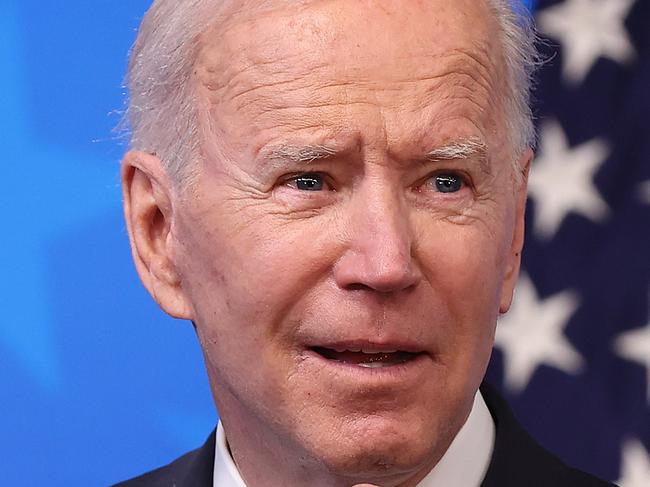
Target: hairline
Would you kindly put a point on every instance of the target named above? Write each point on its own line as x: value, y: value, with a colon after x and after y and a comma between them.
x: 178, y: 145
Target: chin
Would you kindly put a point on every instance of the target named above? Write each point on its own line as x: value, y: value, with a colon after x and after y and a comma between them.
x: 379, y: 449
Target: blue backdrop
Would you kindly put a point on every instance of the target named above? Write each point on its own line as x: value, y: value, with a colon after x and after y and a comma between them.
x: 96, y: 383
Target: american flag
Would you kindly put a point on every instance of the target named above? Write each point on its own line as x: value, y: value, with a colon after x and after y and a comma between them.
x: 573, y: 354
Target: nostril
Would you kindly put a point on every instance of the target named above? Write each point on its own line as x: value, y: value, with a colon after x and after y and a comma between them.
x: 358, y: 287
x: 373, y: 267
x: 359, y: 279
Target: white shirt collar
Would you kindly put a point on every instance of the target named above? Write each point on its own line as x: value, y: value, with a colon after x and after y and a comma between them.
x: 465, y: 463
x: 225, y: 470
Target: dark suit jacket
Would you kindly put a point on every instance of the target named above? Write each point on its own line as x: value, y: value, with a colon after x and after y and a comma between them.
x: 517, y: 460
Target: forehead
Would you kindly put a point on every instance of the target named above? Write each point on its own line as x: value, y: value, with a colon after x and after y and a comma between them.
x: 425, y: 27
x: 274, y: 59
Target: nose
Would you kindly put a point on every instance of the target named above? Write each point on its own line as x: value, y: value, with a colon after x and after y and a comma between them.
x: 379, y: 246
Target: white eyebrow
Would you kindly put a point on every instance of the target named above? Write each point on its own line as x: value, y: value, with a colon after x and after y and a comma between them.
x: 459, y: 149
x: 472, y: 147
x: 308, y: 153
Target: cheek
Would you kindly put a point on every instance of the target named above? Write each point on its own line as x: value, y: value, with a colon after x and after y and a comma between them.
x: 237, y: 282
x: 246, y: 274
x: 463, y: 264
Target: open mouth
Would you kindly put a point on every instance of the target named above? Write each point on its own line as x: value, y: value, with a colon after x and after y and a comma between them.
x: 366, y: 358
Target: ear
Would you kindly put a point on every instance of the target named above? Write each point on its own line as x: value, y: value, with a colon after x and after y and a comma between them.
x: 148, y: 212
x: 514, y: 257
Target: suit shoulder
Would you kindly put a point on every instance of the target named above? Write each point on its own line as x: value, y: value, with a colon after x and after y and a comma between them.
x: 519, y: 460
x: 583, y: 479
x: 169, y: 475
x: 194, y: 469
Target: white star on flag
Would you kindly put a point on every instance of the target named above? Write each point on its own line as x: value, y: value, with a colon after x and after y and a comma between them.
x: 635, y: 468
x: 634, y: 345
x: 644, y: 192
x: 532, y: 334
x: 588, y: 30
x: 561, y: 180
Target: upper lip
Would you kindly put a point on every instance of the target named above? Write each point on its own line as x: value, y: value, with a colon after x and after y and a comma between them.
x: 370, y: 346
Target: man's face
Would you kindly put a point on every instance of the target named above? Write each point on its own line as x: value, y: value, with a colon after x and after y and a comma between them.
x: 355, y: 195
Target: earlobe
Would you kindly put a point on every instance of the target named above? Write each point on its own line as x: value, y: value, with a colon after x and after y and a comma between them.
x: 148, y: 212
x: 514, y: 258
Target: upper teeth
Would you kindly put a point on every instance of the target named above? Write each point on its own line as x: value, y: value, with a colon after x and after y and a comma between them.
x: 365, y: 350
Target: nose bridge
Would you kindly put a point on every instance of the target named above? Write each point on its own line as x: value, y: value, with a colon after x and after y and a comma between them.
x: 378, y: 256
x: 383, y: 229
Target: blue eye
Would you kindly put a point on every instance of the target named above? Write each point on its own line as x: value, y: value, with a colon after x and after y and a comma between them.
x: 309, y: 182
x: 448, y: 183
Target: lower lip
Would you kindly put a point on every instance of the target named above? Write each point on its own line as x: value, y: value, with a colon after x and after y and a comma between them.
x: 400, y: 371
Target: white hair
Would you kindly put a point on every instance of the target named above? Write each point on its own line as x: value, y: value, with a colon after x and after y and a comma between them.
x: 162, y: 113
x: 521, y: 59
